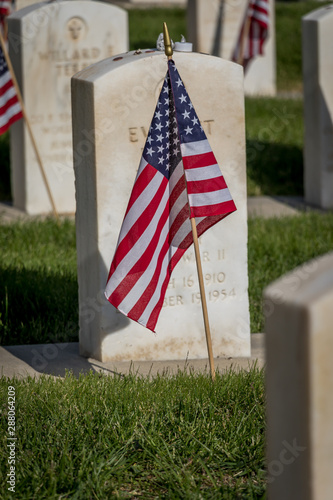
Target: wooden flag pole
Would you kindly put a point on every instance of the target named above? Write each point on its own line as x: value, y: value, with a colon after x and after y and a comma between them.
x: 203, y: 299
x: 243, y: 40
x: 19, y: 96
x: 168, y: 53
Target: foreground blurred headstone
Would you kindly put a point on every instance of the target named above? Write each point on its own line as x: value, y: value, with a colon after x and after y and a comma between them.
x: 48, y: 43
x: 113, y: 104
x: 213, y: 27
x: 317, y: 42
x: 299, y: 346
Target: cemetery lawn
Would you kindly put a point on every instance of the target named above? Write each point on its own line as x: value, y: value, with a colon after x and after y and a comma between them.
x: 130, y: 437
x: 39, y: 294
x: 274, y: 146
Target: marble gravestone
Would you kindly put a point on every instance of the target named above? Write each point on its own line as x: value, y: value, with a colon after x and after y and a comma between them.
x: 22, y: 4
x: 48, y: 43
x: 317, y: 41
x: 213, y: 27
x: 299, y: 382
x: 113, y: 103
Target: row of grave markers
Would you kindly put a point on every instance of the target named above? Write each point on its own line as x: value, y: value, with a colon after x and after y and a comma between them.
x: 50, y: 42
x: 56, y: 40
x: 110, y: 124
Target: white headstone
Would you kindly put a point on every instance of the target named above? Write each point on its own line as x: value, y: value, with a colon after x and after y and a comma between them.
x: 48, y: 43
x: 299, y: 382
x: 317, y: 42
x: 113, y: 104
x: 213, y: 27
x: 22, y: 4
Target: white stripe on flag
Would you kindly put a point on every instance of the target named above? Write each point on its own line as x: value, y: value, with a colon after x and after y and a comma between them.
x: 5, y: 78
x: 12, y: 111
x: 259, y: 16
x: 203, y: 173
x: 6, y: 96
x: 263, y: 5
x: 211, y: 198
x: 195, y: 148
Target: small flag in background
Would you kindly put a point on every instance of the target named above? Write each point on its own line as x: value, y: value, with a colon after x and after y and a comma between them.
x: 10, y: 108
x: 156, y: 230
x: 254, y: 31
x: 6, y: 8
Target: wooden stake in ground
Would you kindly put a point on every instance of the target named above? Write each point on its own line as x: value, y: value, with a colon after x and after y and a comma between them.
x: 19, y: 96
x: 168, y: 52
x: 244, y: 39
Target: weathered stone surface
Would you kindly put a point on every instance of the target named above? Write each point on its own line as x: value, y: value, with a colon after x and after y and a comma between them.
x: 299, y: 346
x: 48, y: 43
x: 317, y: 40
x: 109, y: 131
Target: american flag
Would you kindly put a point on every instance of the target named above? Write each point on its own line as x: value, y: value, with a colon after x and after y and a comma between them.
x: 156, y: 230
x: 10, y: 108
x: 253, y: 33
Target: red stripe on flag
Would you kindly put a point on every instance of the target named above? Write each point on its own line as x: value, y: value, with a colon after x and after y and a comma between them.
x: 199, y: 160
x: 226, y: 207
x: 206, y: 186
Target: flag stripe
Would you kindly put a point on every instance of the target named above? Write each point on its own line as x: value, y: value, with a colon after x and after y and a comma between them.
x: 10, y: 108
x: 11, y: 115
x: 5, y: 78
x: 228, y: 207
x: 206, y: 185
x: 211, y: 198
x: 199, y: 161
x: 194, y: 148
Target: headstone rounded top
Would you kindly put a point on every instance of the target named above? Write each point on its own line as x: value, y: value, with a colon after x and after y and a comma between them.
x: 52, y: 6
x: 317, y: 14
x: 101, y: 68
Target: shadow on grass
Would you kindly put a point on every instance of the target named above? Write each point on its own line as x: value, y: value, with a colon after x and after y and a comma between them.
x: 276, y: 169
x: 39, y: 323
x: 37, y: 307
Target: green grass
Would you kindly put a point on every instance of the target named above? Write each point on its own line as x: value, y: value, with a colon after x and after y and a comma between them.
x: 39, y: 298
x: 274, y: 132
x: 170, y: 437
x: 146, y: 24
x: 38, y: 293
x: 277, y: 246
